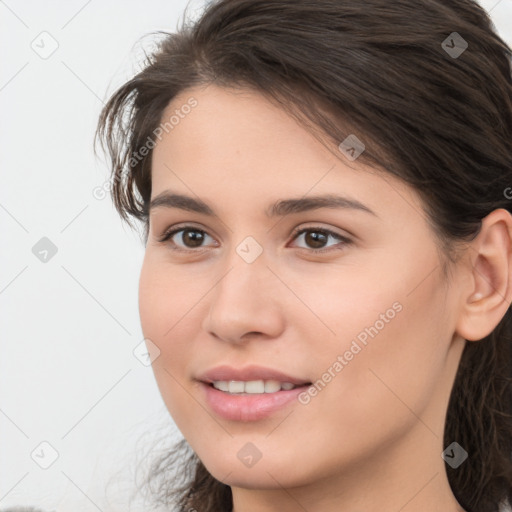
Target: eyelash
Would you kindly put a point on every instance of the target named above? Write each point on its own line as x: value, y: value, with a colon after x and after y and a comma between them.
x: 171, y: 232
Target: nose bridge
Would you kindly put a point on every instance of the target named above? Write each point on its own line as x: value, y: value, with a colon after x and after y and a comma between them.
x: 246, y: 267
x: 244, y: 299
x: 244, y: 282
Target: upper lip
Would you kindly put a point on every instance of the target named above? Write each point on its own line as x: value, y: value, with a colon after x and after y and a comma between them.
x: 253, y: 372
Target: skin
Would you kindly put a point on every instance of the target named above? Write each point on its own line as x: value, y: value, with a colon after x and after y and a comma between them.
x: 372, y: 438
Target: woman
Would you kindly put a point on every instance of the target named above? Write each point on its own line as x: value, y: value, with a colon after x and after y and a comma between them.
x: 325, y: 193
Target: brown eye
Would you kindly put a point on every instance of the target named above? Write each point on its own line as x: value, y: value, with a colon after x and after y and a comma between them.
x: 190, y: 238
x: 317, y: 238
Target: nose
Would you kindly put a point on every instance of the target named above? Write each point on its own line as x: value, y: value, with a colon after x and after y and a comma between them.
x: 245, y: 303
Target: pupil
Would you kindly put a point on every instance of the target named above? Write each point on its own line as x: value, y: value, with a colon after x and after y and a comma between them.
x: 193, y: 236
x: 315, y: 237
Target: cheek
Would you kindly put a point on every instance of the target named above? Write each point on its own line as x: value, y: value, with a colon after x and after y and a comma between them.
x: 168, y: 298
x: 393, y: 337
x: 385, y: 313
x: 165, y: 310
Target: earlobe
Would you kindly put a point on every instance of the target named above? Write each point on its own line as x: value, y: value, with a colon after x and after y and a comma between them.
x: 490, y: 276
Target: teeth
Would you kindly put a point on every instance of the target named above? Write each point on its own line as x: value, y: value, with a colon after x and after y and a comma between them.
x: 236, y: 386
x: 252, y: 386
x: 271, y: 386
x: 222, y: 385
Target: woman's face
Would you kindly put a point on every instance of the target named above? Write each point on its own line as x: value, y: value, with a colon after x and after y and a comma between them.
x: 369, y: 321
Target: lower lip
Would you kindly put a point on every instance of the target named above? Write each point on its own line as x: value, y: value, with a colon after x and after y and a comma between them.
x: 248, y: 407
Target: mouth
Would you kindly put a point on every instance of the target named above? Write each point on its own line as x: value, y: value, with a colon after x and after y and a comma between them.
x: 250, y: 393
x: 250, y: 401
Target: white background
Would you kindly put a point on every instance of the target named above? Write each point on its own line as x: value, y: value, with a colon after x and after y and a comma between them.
x: 69, y: 326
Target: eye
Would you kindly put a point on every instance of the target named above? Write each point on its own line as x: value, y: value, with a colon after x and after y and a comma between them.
x: 191, y: 237
x: 318, y: 237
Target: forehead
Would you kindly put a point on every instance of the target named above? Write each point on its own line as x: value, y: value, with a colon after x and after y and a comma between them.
x: 235, y: 140
x: 227, y: 122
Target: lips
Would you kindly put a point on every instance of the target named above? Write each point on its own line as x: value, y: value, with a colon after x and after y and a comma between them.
x: 236, y: 405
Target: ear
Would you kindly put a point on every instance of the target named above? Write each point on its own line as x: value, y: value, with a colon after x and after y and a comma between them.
x: 490, y: 276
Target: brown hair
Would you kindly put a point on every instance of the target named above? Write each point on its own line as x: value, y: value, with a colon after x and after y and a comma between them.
x: 430, y: 110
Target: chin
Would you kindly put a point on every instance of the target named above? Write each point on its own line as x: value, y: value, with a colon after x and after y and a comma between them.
x: 262, y: 475
x: 247, y: 479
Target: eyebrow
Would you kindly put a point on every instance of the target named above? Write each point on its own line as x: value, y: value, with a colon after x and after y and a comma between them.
x: 280, y: 208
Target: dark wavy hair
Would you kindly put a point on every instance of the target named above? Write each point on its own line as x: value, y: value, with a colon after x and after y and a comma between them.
x: 427, y: 85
